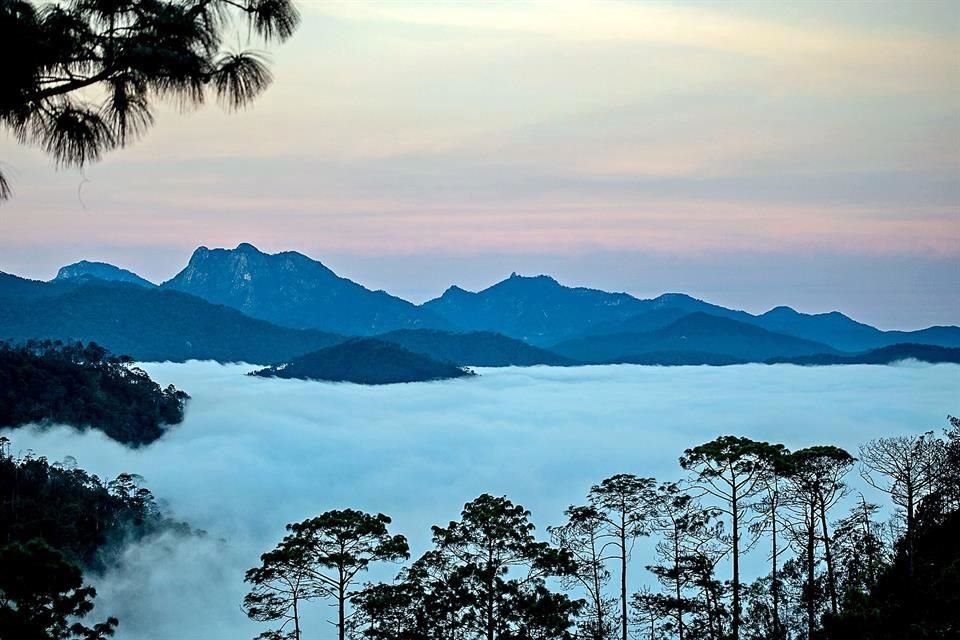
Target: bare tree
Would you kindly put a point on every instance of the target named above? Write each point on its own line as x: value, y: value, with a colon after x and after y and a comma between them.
x: 583, y: 537
x: 908, y: 468
x: 686, y: 528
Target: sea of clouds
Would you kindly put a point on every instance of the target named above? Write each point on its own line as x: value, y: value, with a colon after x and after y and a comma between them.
x: 256, y: 453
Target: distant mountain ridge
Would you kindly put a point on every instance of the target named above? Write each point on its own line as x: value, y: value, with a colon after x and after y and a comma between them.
x: 884, y: 355
x: 545, y: 313
x: 292, y: 290
x: 698, y: 332
x: 244, y: 304
x: 146, y: 324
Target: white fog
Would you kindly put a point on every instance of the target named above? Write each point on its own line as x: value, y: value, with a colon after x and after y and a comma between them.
x: 254, y: 454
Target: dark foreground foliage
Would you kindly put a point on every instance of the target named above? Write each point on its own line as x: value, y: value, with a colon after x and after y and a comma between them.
x: 74, y: 511
x: 61, y: 56
x: 835, y: 571
x: 84, y: 386
x: 57, y: 521
x: 42, y: 596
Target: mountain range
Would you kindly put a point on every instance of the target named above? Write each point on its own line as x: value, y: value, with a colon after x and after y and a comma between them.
x: 244, y: 304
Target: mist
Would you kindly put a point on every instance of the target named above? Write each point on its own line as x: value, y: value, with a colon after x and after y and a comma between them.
x: 254, y: 454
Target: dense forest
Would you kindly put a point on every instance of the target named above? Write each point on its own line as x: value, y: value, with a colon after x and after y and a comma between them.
x: 57, y: 522
x: 838, y: 568
x: 84, y: 386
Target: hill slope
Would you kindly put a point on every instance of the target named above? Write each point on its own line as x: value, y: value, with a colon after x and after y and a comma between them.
x: 146, y: 324
x: 699, y: 333
x: 292, y: 290
x: 478, y: 348
x: 884, y: 355
x: 81, y: 385
x: 835, y: 329
x: 365, y: 361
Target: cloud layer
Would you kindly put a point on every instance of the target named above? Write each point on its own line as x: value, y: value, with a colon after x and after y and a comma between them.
x: 254, y: 454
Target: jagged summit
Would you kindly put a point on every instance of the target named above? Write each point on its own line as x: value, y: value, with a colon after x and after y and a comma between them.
x: 541, y: 278
x: 294, y: 290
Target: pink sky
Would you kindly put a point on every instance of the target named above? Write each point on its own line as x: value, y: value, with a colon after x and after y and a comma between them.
x: 810, y: 150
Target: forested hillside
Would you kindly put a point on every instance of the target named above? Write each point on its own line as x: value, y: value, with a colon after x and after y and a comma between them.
x: 365, y: 361
x: 84, y: 386
x: 58, y: 522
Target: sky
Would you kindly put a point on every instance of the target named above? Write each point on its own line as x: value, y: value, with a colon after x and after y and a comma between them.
x: 256, y: 453
x: 750, y: 153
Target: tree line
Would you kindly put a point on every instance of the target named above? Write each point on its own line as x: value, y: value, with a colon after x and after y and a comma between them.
x: 84, y: 385
x: 837, y: 568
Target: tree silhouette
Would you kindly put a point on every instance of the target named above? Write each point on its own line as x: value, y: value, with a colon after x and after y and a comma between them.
x: 625, y: 502
x: 776, y: 461
x: 583, y: 537
x: 860, y: 548
x: 908, y: 468
x: 730, y: 469
x: 494, y: 537
x: 688, y: 533
x: 336, y: 546
x: 485, y: 578
x: 280, y: 585
x: 82, y: 77
x: 816, y: 479
x: 42, y: 596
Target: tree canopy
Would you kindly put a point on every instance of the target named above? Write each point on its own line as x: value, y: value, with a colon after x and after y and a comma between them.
x: 320, y: 558
x: 82, y: 77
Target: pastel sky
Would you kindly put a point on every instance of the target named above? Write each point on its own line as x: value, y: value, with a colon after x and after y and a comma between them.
x: 751, y: 153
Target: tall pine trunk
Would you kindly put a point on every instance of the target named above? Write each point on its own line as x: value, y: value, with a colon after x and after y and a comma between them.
x: 811, y: 602
x: 828, y: 555
x: 736, y: 565
x: 623, y: 578
x: 341, y: 613
x: 775, y: 576
x: 676, y: 570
